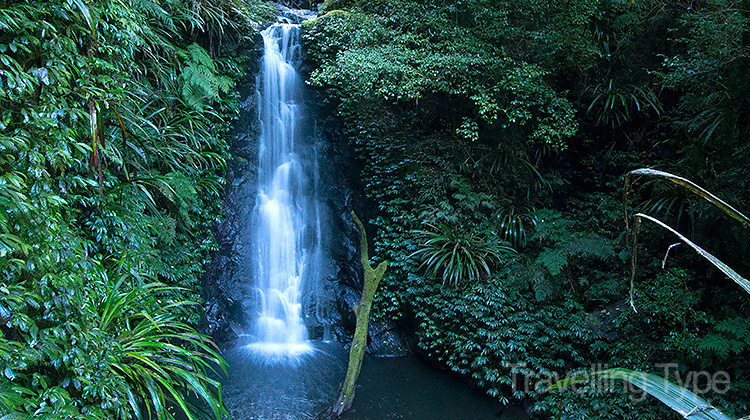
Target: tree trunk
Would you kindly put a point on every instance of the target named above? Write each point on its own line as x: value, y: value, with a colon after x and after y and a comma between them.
x: 362, y: 311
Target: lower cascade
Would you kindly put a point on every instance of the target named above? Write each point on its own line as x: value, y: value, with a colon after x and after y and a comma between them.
x: 286, y: 227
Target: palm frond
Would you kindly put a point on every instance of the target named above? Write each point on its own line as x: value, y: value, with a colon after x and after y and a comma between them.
x: 741, y: 281
x: 161, y: 358
x: 679, y: 399
x: 690, y: 186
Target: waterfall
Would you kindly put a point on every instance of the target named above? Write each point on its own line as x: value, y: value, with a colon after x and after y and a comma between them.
x: 286, y: 234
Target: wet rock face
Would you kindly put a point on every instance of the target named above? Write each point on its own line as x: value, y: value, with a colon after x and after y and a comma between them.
x: 338, y: 187
x: 604, y: 323
x: 222, y: 289
x: 386, y: 339
x: 345, y: 193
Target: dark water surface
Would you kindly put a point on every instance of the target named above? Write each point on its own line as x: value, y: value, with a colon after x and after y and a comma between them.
x: 388, y: 388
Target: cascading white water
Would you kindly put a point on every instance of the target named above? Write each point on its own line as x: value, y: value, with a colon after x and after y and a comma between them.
x: 285, y: 211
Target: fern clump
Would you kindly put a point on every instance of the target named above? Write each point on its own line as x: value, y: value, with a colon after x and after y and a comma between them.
x: 201, y: 83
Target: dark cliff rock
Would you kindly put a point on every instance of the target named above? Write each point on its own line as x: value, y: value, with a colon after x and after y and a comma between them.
x: 345, y: 193
x: 221, y: 287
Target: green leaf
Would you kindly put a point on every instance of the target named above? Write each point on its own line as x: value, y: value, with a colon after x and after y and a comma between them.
x: 692, y: 187
x: 679, y: 399
x: 84, y: 11
x: 743, y: 282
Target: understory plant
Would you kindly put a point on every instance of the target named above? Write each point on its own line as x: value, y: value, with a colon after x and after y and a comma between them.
x: 520, y: 117
x: 459, y: 257
x: 678, y: 398
x: 165, y: 363
x: 113, y: 123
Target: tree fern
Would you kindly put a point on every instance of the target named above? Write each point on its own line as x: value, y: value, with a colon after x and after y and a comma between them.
x: 566, y: 243
x: 731, y: 337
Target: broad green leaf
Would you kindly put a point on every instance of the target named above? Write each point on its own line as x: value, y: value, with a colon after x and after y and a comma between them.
x: 85, y: 12
x: 679, y: 399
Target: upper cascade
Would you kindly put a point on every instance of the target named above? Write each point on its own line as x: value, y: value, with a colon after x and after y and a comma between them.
x: 295, y: 15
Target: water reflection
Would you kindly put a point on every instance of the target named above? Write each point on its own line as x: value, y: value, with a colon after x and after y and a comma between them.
x: 389, y: 388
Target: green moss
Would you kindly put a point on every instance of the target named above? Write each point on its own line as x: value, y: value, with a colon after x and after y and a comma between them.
x: 362, y: 311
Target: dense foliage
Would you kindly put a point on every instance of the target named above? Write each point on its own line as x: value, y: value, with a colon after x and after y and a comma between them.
x: 484, y: 124
x: 493, y: 136
x: 113, y: 117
